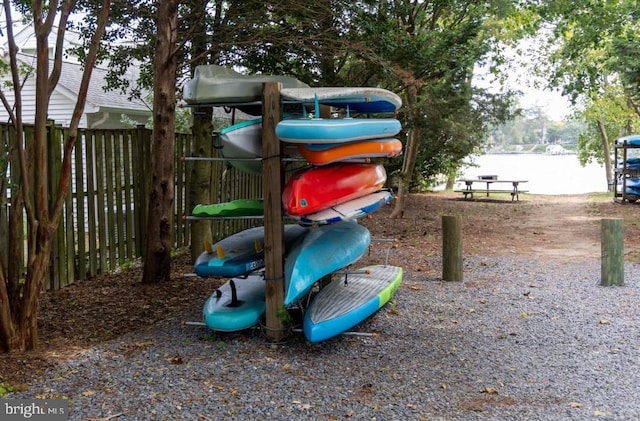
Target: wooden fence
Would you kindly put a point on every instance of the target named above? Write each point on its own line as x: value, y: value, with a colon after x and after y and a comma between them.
x: 104, y: 223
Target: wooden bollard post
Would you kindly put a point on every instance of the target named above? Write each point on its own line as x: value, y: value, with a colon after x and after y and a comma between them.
x: 612, y: 239
x: 452, y: 247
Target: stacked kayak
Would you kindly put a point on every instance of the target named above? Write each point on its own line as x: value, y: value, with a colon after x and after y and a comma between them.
x: 335, y: 130
x: 339, y: 185
x: 315, y: 189
x: 241, y: 144
x: 241, y: 253
x: 328, y: 153
x: 321, y: 252
x: 631, y: 184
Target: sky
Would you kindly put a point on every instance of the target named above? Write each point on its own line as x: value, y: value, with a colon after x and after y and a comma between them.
x: 520, y: 76
x: 555, y: 105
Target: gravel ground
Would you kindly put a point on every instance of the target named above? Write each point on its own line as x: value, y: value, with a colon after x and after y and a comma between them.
x: 519, y: 339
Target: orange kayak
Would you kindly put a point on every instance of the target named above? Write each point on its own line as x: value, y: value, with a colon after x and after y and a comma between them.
x: 323, y: 154
x: 314, y: 189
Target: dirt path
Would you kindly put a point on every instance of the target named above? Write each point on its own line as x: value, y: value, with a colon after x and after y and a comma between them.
x: 544, y: 226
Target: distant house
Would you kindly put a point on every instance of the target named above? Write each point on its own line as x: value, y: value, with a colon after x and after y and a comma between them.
x: 103, y: 109
x: 556, y: 150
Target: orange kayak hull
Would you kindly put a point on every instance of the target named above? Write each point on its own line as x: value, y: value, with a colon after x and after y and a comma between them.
x: 374, y: 148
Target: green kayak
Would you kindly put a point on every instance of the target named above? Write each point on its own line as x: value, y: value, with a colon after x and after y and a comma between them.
x: 240, y: 207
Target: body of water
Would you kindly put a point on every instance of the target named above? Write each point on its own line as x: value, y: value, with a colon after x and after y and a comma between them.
x: 545, y: 174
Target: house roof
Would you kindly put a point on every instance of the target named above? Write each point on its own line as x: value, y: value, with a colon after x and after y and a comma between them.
x: 97, y: 98
x: 71, y: 76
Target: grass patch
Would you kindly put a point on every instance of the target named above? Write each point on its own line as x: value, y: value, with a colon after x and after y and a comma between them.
x: 6, y: 388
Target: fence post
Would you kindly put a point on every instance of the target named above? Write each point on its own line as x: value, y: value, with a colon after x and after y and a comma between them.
x: 54, y: 161
x: 452, y: 248
x: 612, y: 252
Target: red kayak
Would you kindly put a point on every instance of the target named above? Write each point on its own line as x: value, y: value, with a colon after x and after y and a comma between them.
x: 317, y: 188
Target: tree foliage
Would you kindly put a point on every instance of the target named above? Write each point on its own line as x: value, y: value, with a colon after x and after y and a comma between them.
x: 597, y: 63
x: 609, y: 111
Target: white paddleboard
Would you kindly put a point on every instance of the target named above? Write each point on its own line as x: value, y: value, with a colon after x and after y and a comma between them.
x: 353, y: 209
x: 362, y: 99
x: 349, y: 300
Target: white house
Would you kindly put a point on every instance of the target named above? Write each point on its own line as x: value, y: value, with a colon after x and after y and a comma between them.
x: 103, y: 109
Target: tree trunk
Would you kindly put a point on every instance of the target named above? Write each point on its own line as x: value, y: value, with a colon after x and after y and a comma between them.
x: 410, y: 154
x: 606, y: 152
x: 200, y: 184
x: 157, y: 265
x: 451, y: 180
x: 200, y: 181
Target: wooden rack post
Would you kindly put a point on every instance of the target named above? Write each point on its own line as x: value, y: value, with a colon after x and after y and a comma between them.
x: 273, y: 225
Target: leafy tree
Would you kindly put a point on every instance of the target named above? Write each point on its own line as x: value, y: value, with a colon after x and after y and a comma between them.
x: 596, y: 60
x: 607, y: 117
x: 428, y: 50
x: 30, y: 197
x: 565, y: 132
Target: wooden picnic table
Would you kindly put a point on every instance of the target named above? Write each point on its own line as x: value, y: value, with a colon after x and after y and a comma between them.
x: 469, y: 190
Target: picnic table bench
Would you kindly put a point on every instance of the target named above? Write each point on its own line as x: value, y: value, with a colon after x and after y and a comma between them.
x: 468, y: 191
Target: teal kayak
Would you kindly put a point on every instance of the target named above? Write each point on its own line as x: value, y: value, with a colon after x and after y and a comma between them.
x: 324, y: 250
x: 238, y: 304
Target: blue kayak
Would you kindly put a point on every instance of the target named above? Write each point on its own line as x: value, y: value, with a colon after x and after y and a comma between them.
x: 324, y: 250
x: 240, y: 253
x: 633, y: 139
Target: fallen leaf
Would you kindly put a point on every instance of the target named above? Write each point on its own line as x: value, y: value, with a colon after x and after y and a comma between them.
x: 176, y: 360
x: 605, y: 322
x: 489, y: 391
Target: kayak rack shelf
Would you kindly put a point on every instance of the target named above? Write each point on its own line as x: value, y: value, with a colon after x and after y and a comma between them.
x: 202, y: 158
